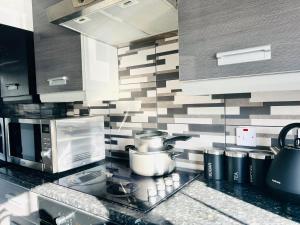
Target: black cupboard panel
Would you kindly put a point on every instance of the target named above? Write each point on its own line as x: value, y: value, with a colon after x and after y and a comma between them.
x: 17, y: 69
x: 57, y: 52
x: 209, y: 27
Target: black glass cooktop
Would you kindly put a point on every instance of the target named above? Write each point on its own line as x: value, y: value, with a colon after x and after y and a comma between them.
x: 116, y: 183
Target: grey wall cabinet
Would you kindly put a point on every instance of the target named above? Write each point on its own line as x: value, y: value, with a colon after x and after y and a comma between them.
x: 209, y: 27
x: 57, y: 53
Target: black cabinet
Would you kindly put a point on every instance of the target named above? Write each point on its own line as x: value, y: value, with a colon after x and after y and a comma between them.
x: 17, y: 70
x: 209, y: 27
x: 57, y: 53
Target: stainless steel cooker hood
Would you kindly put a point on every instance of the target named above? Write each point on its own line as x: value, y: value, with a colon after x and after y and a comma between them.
x: 116, y: 22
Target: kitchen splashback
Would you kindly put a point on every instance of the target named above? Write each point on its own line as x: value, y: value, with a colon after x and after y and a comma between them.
x: 151, y: 98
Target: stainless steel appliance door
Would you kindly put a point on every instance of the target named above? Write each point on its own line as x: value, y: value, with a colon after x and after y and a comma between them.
x: 79, y: 141
x: 2, y: 141
x: 23, y: 142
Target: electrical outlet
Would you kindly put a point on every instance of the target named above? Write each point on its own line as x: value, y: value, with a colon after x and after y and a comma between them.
x: 246, y: 136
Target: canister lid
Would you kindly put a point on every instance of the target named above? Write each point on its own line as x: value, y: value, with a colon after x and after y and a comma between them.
x: 261, y: 155
x: 214, y: 151
x: 236, y: 154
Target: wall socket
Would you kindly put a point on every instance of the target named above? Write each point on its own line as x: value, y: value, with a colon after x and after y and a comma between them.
x: 246, y: 136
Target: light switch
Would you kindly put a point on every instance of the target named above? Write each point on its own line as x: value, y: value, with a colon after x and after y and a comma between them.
x: 246, y: 136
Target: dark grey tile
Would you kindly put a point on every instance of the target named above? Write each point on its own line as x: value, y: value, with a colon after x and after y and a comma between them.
x: 214, y: 128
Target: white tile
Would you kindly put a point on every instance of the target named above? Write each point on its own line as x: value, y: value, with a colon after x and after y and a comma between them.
x: 162, y: 111
x: 129, y: 105
x: 196, y: 143
x: 177, y: 128
x: 99, y: 111
x: 180, y: 98
x: 167, y: 47
x: 143, y: 70
x: 285, y: 110
x: 134, y: 80
x: 151, y: 93
x: 195, y: 157
x: 129, y: 125
x: 121, y: 132
x: 206, y: 110
x: 272, y: 122
x: 130, y: 86
x: 275, y: 96
x: 139, y: 119
x: 193, y: 120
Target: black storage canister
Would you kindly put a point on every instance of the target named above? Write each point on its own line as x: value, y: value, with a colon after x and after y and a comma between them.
x: 237, y: 166
x: 259, y: 163
x: 214, y: 160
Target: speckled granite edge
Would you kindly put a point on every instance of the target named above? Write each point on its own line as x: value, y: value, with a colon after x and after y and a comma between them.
x: 88, y: 203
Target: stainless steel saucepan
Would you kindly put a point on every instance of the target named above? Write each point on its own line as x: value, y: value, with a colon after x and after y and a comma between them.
x: 156, y: 163
x: 155, y: 140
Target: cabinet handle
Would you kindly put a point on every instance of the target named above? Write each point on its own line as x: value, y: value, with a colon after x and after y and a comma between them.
x: 9, y: 63
x: 244, y: 55
x: 58, y: 81
x: 80, y: 3
x: 12, y: 87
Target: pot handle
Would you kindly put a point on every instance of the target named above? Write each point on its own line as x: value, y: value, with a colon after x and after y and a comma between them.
x: 130, y: 147
x: 173, y: 155
x: 297, y: 143
x: 172, y: 140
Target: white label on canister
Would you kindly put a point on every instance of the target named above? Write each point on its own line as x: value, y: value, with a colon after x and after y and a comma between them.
x: 210, y: 173
x: 251, y: 173
x: 236, y: 175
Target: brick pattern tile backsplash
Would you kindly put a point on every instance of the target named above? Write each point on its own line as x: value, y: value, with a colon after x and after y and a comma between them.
x: 151, y: 98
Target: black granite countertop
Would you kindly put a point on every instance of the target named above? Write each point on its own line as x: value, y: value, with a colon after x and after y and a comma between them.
x: 201, y: 202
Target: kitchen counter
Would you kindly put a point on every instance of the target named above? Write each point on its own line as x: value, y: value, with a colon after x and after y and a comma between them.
x: 198, y: 203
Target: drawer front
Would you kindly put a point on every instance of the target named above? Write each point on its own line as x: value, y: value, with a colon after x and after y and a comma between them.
x: 53, y: 212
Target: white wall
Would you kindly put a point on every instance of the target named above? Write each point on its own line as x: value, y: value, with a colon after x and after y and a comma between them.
x: 16, y: 13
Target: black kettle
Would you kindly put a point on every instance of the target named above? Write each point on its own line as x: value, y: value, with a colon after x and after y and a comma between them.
x: 283, y: 177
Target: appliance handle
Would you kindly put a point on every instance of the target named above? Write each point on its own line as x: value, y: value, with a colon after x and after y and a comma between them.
x: 80, y: 3
x: 58, y: 81
x: 284, y: 132
x: 12, y: 87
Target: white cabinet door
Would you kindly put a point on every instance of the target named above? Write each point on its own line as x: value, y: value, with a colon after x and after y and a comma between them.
x: 99, y: 70
x: 16, y: 13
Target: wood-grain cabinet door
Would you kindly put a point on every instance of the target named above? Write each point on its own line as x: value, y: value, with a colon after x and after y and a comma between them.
x: 57, y: 53
x: 209, y: 27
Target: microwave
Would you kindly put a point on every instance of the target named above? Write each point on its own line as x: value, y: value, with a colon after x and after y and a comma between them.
x: 54, y: 145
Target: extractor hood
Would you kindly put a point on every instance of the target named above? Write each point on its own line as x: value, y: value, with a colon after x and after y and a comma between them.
x: 116, y: 22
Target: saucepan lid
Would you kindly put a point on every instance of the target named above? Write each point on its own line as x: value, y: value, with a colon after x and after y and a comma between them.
x: 150, y: 134
x: 261, y: 155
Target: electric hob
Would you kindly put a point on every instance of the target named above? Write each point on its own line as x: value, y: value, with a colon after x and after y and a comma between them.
x: 115, y: 182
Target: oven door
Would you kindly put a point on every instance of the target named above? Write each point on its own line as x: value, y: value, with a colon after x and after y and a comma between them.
x: 23, y: 142
x: 2, y: 141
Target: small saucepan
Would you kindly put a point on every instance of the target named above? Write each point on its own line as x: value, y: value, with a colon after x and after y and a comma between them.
x: 155, y: 163
x: 155, y: 140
